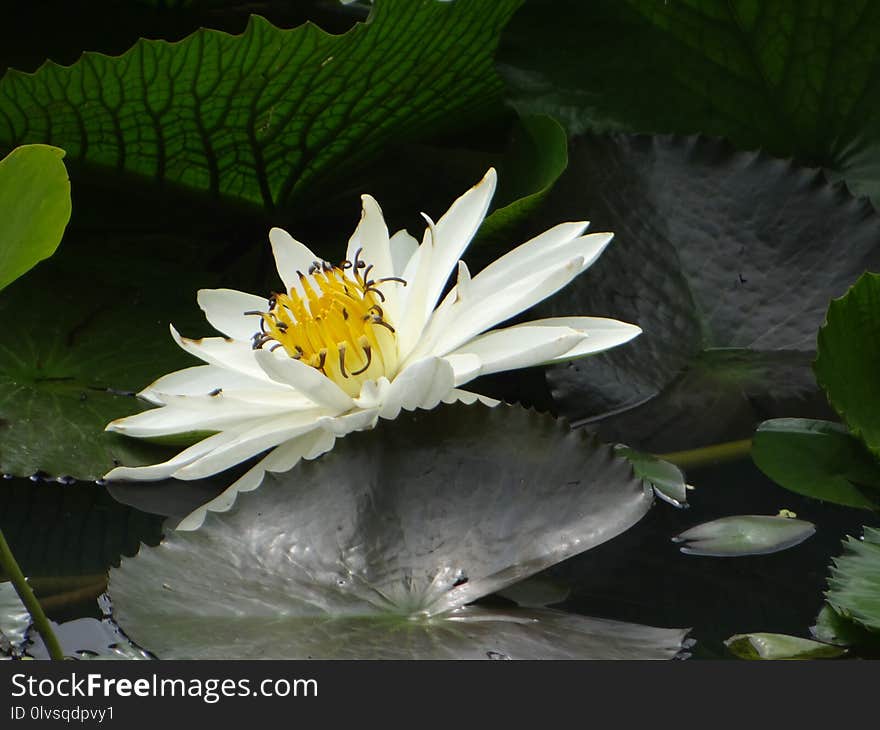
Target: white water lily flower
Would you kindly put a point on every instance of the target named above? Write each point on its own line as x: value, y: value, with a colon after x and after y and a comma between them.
x: 346, y: 345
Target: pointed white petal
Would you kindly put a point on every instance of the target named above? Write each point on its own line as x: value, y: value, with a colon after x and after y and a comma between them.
x: 229, y: 354
x: 463, y: 323
x: 202, y: 380
x: 254, y: 440
x: 360, y: 420
x: 167, y: 468
x: 421, y: 385
x: 290, y: 256
x: 225, y: 310
x: 454, y: 231
x: 558, y: 244
x: 512, y: 348
x: 402, y: 246
x: 597, y: 334
x: 167, y: 420
x: 306, y: 379
x: 414, y: 311
x: 371, y: 239
x: 281, y: 458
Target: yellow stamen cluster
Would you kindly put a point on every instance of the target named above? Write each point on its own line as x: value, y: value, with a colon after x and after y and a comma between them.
x: 334, y: 322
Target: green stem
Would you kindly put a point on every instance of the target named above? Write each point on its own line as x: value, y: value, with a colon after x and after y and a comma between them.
x: 10, y: 567
x: 714, y: 454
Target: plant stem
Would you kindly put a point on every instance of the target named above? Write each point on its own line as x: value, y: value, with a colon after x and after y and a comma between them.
x: 714, y: 454
x: 10, y: 567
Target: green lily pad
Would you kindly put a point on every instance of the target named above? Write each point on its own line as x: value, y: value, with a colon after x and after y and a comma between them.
x: 780, y: 646
x: 854, y: 585
x: 729, y: 537
x: 792, y: 77
x: 269, y: 116
x: 818, y: 459
x: 848, y: 361
x: 373, y: 550
x: 34, y: 208
x: 73, y: 352
x: 832, y: 628
x: 667, y: 479
x: 726, y: 260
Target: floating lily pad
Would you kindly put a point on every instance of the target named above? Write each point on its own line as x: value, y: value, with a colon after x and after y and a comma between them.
x: 780, y: 646
x: 34, y: 208
x: 81, y: 335
x: 667, y: 479
x: 727, y: 261
x: 819, y: 459
x: 744, y: 535
x: 854, y: 585
x: 792, y: 77
x: 833, y: 628
x: 374, y: 549
x: 269, y: 116
x: 848, y: 362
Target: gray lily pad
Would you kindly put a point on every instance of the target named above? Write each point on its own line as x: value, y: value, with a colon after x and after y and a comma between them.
x: 374, y: 549
x: 744, y: 535
x: 727, y: 261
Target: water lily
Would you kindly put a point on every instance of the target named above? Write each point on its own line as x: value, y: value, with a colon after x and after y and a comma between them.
x: 345, y: 345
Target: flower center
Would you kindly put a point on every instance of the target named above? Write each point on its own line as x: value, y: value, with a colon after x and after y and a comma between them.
x: 335, y: 324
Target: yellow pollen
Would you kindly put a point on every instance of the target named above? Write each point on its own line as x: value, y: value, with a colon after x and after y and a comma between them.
x: 334, y: 323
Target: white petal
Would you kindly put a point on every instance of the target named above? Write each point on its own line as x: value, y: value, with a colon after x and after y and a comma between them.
x: 290, y: 256
x: 403, y: 246
x: 371, y: 237
x: 167, y: 468
x: 463, y: 323
x: 454, y: 231
x: 258, y: 438
x: 202, y: 380
x: 167, y: 420
x: 247, y: 482
x: 283, y: 457
x: 414, y: 310
x: 597, y: 334
x: 361, y: 420
x: 421, y: 385
x: 184, y: 413
x: 230, y: 354
x: 306, y: 379
x: 560, y: 243
x: 512, y: 348
x: 225, y: 310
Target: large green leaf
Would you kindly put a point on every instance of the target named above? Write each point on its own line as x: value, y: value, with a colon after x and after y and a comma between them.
x: 848, y: 361
x: 780, y: 646
x: 739, y: 535
x: 373, y: 550
x: 34, y: 208
x: 271, y: 115
x: 819, y: 459
x: 80, y: 336
x: 854, y: 585
x: 726, y: 260
x: 795, y: 77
